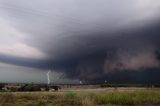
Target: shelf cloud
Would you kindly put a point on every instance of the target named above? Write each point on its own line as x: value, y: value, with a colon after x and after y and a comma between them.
x: 85, y: 40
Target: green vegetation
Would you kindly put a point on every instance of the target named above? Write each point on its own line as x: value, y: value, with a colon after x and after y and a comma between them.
x: 82, y: 98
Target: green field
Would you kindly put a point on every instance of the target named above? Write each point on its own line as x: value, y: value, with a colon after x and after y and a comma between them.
x: 115, y: 97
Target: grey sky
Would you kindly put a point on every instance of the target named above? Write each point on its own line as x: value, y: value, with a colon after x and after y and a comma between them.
x: 42, y: 34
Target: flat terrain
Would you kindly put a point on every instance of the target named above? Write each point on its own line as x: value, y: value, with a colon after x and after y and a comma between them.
x: 84, y: 97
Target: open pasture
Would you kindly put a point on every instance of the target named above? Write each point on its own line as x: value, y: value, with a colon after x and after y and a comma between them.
x: 84, y: 97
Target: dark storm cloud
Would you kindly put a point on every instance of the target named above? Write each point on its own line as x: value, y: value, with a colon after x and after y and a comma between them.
x: 134, y: 60
x: 84, y: 39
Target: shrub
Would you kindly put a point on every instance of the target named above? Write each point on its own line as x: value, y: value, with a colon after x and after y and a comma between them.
x: 70, y: 96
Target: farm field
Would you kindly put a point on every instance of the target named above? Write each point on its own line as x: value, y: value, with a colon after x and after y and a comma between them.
x: 84, y: 97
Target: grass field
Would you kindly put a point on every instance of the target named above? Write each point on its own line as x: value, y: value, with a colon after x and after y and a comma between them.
x: 104, y: 97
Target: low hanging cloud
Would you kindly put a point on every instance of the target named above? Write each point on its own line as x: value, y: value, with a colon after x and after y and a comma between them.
x: 138, y: 60
x: 99, y: 66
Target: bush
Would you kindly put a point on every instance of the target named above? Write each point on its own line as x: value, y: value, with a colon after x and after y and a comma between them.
x: 70, y: 96
x: 32, y: 88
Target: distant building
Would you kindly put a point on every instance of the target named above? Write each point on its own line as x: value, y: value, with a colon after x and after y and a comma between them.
x: 12, y: 87
x: 54, y: 88
x: 43, y: 89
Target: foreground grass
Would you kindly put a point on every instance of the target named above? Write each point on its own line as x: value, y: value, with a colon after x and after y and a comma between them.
x: 99, y: 98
